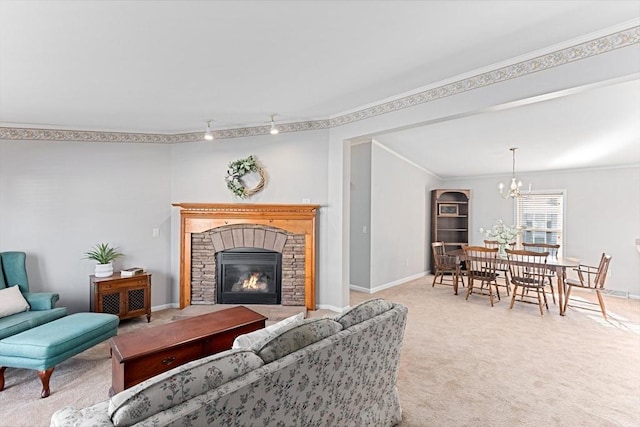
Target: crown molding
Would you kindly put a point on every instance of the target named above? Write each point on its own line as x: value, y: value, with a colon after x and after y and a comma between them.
x: 597, y: 46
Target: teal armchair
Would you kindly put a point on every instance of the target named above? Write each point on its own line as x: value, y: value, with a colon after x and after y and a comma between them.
x: 13, y: 272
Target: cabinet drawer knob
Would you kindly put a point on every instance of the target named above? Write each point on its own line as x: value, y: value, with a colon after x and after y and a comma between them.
x: 169, y: 360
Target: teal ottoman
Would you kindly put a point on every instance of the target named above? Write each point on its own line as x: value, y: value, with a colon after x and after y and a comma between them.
x: 45, y: 346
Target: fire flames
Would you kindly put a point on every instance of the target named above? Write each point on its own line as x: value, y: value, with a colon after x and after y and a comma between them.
x: 252, y: 282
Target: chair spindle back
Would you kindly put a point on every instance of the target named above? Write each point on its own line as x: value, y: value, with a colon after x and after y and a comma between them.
x: 527, y: 268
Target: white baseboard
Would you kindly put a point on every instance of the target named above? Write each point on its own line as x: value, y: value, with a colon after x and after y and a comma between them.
x: 387, y: 285
x: 620, y: 294
x: 328, y: 307
x: 165, y: 306
x: 359, y: 289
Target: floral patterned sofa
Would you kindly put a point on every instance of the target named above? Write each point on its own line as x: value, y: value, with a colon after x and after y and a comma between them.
x: 339, y: 371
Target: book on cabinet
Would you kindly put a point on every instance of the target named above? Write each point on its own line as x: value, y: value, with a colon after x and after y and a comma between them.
x: 130, y: 272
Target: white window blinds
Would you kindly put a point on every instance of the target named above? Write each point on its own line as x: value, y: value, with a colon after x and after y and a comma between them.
x: 541, y: 216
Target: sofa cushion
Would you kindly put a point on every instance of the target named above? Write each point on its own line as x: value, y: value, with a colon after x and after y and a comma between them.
x: 363, y: 311
x: 248, y: 340
x: 20, y: 322
x: 12, y: 301
x: 179, y: 384
x: 94, y: 416
x: 294, y: 337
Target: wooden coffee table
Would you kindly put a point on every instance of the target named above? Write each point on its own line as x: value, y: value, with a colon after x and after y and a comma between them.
x: 139, y: 355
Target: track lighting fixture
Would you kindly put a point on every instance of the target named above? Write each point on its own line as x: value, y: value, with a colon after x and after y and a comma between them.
x: 274, y: 130
x: 208, y: 135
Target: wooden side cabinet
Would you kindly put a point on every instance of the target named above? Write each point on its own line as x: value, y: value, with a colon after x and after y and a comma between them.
x: 125, y: 297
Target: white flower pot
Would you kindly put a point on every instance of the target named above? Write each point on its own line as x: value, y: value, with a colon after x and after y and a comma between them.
x: 104, y: 270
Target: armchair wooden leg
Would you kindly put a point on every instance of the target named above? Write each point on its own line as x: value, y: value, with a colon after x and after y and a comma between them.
x: 540, y: 301
x: 544, y: 298
x: 553, y: 295
x: 455, y: 283
x: 601, y: 301
x: 490, y: 293
x: 513, y: 296
x: 566, y: 298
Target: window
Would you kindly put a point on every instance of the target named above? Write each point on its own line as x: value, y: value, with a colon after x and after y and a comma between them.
x: 541, y: 216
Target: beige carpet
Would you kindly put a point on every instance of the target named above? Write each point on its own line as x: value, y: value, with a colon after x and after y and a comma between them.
x: 463, y: 364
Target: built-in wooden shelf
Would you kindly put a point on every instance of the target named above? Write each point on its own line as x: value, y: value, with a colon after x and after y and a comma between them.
x: 450, y: 218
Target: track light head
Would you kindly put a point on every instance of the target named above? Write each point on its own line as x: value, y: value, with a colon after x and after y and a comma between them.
x: 208, y: 135
x: 274, y: 130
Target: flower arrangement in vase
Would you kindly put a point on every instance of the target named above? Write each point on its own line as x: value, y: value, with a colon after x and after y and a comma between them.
x: 503, y: 234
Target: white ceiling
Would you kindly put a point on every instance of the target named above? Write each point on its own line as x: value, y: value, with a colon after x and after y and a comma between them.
x: 168, y: 66
x: 596, y: 127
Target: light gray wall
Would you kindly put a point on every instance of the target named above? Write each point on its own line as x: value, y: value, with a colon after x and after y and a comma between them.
x: 58, y: 199
x: 360, y: 249
x: 298, y: 175
x: 400, y: 218
x: 602, y: 214
x: 296, y: 168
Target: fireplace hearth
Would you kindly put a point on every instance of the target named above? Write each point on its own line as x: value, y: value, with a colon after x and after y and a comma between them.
x: 249, y: 276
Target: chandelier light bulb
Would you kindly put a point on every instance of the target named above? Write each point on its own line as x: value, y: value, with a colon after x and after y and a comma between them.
x: 208, y: 135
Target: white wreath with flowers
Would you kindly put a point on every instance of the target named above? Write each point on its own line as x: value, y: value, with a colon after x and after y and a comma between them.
x: 239, y: 169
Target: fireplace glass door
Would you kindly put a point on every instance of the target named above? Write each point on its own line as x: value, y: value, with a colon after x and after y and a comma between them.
x: 249, y: 276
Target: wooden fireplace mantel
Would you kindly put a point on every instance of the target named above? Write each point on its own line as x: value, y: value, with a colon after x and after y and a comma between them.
x: 200, y: 217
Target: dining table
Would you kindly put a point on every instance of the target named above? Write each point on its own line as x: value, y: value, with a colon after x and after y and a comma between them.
x: 558, y: 265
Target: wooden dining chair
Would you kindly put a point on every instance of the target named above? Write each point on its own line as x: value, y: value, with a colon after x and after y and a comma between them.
x: 481, y: 267
x: 527, y: 271
x: 501, y: 268
x: 591, y: 278
x: 552, y: 250
x: 446, y: 266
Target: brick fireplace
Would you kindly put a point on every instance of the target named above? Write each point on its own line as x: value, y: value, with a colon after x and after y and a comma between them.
x: 208, y: 230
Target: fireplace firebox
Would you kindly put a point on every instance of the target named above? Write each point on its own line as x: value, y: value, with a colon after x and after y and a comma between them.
x: 249, y: 276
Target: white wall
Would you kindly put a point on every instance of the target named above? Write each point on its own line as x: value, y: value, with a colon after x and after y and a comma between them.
x: 400, y: 218
x: 58, y: 199
x: 360, y: 216
x: 602, y: 211
x: 296, y: 168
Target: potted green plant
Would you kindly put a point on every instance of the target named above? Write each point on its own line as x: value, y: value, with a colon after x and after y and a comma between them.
x: 104, y: 256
